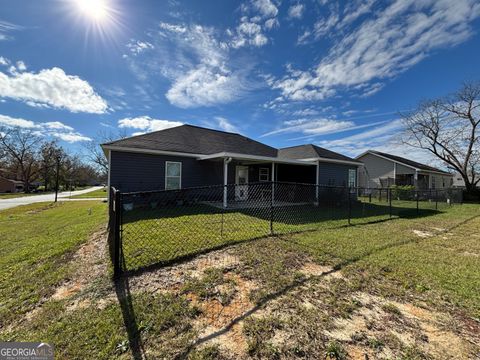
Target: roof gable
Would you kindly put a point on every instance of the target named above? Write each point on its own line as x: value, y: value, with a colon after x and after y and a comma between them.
x: 310, y: 151
x: 404, y: 161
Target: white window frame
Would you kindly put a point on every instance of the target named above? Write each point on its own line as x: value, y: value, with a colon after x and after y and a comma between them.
x: 260, y: 174
x: 166, y: 174
x: 354, y: 178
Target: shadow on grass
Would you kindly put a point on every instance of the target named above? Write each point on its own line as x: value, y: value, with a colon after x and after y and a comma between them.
x: 298, y: 283
x: 124, y: 297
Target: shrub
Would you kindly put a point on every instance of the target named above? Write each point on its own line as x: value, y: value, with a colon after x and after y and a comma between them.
x: 405, y: 192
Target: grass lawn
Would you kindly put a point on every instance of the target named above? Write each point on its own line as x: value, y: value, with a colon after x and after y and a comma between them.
x: 148, y: 238
x: 378, y: 272
x: 101, y: 193
x: 37, y: 242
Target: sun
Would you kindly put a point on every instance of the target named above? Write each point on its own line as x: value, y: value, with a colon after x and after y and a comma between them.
x: 97, y: 10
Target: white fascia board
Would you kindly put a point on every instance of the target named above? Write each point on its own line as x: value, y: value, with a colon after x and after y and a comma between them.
x: 335, y: 161
x: 401, y: 163
x: 239, y: 156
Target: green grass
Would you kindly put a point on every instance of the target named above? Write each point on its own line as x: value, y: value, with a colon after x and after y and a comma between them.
x: 445, y: 266
x: 37, y: 241
x: 159, y: 235
x: 101, y: 193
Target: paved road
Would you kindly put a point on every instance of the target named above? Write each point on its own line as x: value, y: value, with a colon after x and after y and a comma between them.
x: 25, y: 200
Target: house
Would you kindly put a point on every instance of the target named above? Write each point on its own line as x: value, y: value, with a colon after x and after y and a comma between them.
x: 10, y: 186
x: 458, y: 181
x: 191, y: 156
x: 382, y: 170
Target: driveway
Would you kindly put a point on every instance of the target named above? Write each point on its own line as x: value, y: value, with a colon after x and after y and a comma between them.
x: 25, y: 200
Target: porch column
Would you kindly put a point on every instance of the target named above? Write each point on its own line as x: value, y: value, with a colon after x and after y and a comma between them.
x: 429, y: 181
x: 273, y: 182
x: 225, y: 180
x: 415, y: 179
x: 317, y: 181
x: 394, y: 173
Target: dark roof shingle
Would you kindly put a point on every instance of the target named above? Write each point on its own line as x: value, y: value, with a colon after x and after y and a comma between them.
x: 196, y: 140
x: 310, y: 151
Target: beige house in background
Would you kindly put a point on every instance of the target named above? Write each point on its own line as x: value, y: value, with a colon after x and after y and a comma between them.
x: 382, y: 170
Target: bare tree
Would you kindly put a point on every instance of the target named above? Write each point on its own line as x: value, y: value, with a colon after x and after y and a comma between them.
x: 21, y: 149
x: 94, y: 151
x: 448, y: 128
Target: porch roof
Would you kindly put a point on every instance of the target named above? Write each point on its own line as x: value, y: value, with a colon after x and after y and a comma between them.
x: 238, y: 156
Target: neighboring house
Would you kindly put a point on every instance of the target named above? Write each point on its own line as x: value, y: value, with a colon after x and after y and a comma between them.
x: 190, y: 156
x: 382, y: 170
x: 10, y: 186
x: 458, y: 181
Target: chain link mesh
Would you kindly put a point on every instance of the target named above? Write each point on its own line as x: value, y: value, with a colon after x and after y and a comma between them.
x: 160, y: 227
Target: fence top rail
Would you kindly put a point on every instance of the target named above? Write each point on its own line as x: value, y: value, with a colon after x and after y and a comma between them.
x: 220, y: 186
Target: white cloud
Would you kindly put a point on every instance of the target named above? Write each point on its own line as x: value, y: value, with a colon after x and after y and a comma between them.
x: 4, y: 61
x: 6, y: 28
x: 52, y: 88
x: 21, y: 66
x: 311, y: 127
x: 296, y: 11
x: 226, y: 125
x: 382, y: 46
x: 265, y: 7
x: 147, y: 123
x: 52, y: 128
x: 200, y: 68
x: 71, y: 137
x: 136, y: 46
x: 16, y: 122
x: 271, y: 23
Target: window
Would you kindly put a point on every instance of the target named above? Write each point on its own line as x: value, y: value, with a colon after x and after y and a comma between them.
x: 173, y: 175
x: 264, y: 174
x: 352, y: 177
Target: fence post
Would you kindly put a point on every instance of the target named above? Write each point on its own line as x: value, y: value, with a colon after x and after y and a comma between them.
x: 349, y: 207
x: 389, y: 194
x: 416, y: 195
x: 117, y: 209
x: 370, y: 197
x: 271, y: 211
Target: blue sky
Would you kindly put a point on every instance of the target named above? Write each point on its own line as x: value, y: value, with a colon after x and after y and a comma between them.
x: 287, y: 72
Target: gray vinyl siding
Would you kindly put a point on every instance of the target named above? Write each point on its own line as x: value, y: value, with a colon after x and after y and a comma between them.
x: 334, y: 174
x: 375, y: 168
x: 141, y: 172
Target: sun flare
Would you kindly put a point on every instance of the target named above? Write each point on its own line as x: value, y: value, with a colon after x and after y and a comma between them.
x: 97, y: 10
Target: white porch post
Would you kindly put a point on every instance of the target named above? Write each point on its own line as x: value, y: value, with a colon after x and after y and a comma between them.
x: 273, y: 182
x: 429, y: 181
x: 394, y: 173
x: 225, y: 181
x: 317, y: 181
x: 415, y: 179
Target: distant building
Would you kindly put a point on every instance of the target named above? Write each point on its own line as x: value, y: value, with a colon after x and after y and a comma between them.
x: 458, y: 181
x: 11, y: 186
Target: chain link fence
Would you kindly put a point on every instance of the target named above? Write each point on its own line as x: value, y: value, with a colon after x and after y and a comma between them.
x: 155, y: 228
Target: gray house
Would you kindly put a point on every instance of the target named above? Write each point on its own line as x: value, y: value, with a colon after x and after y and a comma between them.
x: 191, y: 156
x: 382, y: 170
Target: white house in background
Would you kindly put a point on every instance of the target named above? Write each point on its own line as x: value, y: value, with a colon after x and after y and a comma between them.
x: 458, y: 181
x: 382, y: 170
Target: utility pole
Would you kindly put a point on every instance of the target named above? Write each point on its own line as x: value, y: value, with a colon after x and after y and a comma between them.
x: 56, y: 177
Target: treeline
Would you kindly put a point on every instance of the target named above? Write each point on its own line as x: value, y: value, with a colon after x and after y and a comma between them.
x: 29, y: 157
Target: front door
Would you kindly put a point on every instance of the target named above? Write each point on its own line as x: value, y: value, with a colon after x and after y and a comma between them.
x: 241, y: 182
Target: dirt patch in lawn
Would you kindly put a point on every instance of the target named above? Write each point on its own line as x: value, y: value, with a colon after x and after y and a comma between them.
x: 89, y: 263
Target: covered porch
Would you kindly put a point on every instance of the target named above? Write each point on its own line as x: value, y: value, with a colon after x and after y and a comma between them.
x: 253, y: 178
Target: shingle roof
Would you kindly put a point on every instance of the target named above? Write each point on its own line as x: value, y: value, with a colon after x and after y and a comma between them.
x: 408, y: 162
x: 196, y: 140
x: 310, y: 151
